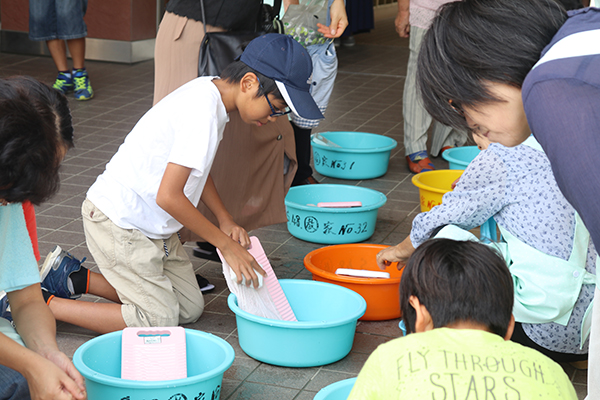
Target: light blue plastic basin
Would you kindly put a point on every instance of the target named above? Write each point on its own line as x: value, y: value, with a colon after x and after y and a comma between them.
x: 360, y: 155
x: 336, y: 391
x: 460, y: 157
x: 332, y: 225
x: 99, y: 361
x: 323, y: 334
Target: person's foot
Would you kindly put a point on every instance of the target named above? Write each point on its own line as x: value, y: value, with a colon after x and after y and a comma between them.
x: 348, y: 41
x: 207, y: 251
x: 444, y: 149
x: 56, y: 273
x: 308, y: 181
x: 83, y: 88
x: 5, y: 307
x: 204, y: 284
x: 419, y: 162
x: 64, y: 83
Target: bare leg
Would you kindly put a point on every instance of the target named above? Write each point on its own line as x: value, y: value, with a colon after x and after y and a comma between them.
x: 98, y: 317
x: 77, y: 49
x: 99, y: 286
x: 58, y: 50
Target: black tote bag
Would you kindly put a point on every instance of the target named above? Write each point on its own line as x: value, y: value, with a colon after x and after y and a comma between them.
x: 219, y: 49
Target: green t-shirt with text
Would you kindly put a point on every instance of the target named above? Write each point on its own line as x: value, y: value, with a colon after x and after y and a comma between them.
x: 452, y: 364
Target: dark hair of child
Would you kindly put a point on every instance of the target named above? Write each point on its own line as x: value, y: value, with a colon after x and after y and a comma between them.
x: 35, y: 132
x: 458, y: 281
x: 472, y: 42
x: 235, y: 71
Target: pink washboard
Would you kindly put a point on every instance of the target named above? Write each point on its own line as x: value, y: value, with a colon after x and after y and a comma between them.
x: 153, y: 354
x: 281, y: 302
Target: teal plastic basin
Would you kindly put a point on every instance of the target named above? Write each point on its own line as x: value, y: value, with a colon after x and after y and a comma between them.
x: 332, y: 225
x: 323, y: 334
x: 460, y: 157
x: 336, y: 391
x: 99, y: 361
x: 360, y: 155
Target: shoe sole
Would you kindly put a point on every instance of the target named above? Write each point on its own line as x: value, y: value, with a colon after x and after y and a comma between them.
x: 206, y: 255
x: 207, y: 288
x: 84, y: 98
x: 47, y: 264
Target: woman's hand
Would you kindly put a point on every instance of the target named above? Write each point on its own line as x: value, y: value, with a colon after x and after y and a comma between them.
x: 399, y: 253
x: 402, y: 18
x: 339, y: 20
x: 402, y: 24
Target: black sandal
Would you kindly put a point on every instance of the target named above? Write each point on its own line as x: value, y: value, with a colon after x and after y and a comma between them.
x: 207, y: 251
x: 204, y: 284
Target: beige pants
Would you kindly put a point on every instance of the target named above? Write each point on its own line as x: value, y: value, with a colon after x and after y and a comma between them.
x: 155, y: 289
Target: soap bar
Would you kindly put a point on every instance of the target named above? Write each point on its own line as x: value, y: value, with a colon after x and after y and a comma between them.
x: 261, y: 280
x: 362, y: 273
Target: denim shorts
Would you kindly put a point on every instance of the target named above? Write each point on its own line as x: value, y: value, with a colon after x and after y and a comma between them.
x: 57, y: 19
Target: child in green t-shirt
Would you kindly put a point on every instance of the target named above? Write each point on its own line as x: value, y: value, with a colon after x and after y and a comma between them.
x: 456, y: 299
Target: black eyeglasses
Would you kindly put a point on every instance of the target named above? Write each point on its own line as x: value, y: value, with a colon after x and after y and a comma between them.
x: 274, y: 113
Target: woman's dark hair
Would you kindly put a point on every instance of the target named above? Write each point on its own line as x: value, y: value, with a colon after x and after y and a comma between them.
x: 472, y: 42
x: 235, y: 71
x: 458, y: 281
x: 35, y: 130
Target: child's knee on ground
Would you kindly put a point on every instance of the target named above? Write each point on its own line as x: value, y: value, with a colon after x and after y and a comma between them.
x: 163, y: 314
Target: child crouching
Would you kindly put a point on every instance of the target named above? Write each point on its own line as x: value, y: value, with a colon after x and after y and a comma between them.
x: 456, y: 300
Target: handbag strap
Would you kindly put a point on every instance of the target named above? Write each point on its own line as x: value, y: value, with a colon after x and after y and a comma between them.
x: 203, y: 16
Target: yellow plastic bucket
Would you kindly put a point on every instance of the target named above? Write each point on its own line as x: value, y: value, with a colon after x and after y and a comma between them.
x: 433, y: 185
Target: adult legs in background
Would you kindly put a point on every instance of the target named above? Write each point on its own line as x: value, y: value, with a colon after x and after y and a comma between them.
x: 57, y: 21
x: 303, y: 152
x: 416, y: 119
x: 176, y: 53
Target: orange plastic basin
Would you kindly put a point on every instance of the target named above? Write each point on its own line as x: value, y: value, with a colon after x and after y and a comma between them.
x: 382, y: 295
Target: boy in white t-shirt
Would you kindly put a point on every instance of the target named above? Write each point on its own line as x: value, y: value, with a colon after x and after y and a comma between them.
x: 151, y: 187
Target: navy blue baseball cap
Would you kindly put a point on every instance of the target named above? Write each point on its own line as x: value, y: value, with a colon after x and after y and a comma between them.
x: 284, y: 60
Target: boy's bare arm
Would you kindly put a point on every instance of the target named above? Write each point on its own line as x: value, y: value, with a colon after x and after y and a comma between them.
x: 49, y: 372
x: 212, y: 200
x: 171, y: 198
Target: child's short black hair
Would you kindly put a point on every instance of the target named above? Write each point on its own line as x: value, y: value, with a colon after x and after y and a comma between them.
x: 235, y: 71
x: 35, y: 128
x: 458, y: 281
x: 472, y: 42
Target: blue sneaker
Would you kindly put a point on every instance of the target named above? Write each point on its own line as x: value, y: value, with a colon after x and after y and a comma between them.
x: 64, y: 83
x: 83, y: 88
x: 56, y: 271
x: 5, y: 307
